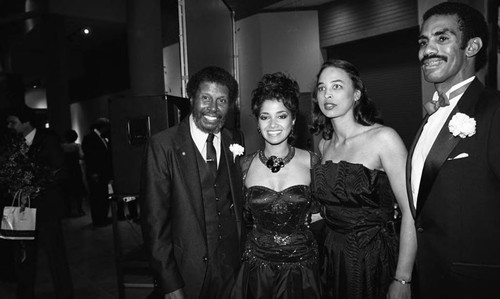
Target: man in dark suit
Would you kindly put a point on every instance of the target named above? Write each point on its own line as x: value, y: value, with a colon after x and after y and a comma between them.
x: 453, y: 169
x: 191, y: 205
x: 97, y: 156
x: 45, y: 149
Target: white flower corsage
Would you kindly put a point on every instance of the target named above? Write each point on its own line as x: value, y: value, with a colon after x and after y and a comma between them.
x: 462, y: 125
x: 237, y: 150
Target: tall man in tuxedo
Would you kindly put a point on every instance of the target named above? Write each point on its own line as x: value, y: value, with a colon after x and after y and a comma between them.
x: 453, y: 167
x: 191, y: 205
x: 44, y: 148
x: 99, y: 170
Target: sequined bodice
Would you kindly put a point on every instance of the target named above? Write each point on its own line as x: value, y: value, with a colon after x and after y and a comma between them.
x: 280, y: 234
x: 282, y: 212
x: 281, y: 255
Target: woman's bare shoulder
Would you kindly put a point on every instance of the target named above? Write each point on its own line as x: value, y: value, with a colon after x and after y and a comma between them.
x: 383, y: 134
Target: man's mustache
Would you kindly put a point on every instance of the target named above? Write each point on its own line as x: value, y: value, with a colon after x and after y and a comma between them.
x: 431, y: 56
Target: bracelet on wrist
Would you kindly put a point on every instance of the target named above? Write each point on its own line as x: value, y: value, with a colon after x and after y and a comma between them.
x: 402, y: 281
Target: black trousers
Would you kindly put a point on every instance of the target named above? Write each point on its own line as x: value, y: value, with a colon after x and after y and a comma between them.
x: 223, y: 266
x: 49, y: 239
x: 99, y: 200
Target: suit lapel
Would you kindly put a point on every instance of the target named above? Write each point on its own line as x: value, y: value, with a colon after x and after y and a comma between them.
x: 408, y: 165
x: 35, y: 144
x: 445, y: 143
x: 186, y: 152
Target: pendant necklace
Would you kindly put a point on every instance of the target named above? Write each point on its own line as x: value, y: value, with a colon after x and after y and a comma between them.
x: 274, y: 163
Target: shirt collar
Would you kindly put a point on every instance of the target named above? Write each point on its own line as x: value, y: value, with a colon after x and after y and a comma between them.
x: 29, y: 138
x: 198, y: 135
x: 97, y: 132
x: 453, y: 88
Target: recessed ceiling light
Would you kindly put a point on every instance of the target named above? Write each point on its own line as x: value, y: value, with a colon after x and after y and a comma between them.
x: 86, y: 31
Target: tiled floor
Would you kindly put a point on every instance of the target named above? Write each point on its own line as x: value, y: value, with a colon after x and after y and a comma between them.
x: 92, y: 261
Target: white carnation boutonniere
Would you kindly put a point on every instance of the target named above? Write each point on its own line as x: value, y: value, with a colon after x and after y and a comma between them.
x: 462, y: 125
x: 237, y: 150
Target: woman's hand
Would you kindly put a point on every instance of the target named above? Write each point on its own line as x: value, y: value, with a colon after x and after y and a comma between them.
x: 398, y: 290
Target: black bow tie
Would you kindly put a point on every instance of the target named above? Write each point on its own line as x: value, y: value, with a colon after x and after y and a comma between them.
x: 443, y: 100
x: 433, y: 106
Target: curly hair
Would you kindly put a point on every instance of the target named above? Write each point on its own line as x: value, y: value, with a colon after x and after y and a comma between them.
x: 213, y: 74
x: 277, y: 86
x: 470, y: 22
x: 364, y: 110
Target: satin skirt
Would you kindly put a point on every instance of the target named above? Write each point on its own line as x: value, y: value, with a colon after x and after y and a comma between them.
x: 283, y: 271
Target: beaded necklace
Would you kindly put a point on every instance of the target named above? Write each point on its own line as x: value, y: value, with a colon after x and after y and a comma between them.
x: 274, y: 163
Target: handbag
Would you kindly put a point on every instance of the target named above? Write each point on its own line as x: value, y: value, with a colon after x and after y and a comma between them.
x: 18, y: 222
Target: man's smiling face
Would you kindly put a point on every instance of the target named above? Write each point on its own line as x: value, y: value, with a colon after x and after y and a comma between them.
x: 443, y: 60
x: 210, y: 106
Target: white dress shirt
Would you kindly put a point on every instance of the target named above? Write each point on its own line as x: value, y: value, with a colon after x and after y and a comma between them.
x: 200, y: 139
x: 429, y: 134
x: 29, y: 138
x: 103, y: 139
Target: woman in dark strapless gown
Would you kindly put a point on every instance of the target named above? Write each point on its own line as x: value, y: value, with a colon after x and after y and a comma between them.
x: 281, y: 256
x: 361, y: 248
x: 369, y: 244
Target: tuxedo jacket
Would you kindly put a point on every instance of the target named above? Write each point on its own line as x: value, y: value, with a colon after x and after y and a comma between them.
x: 46, y: 150
x: 458, y: 207
x: 97, y: 156
x: 172, y: 210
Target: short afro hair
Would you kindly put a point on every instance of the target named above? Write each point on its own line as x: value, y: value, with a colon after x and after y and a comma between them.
x: 213, y: 74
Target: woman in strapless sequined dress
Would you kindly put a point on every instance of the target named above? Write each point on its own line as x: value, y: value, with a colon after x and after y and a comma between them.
x: 359, y: 182
x: 281, y: 255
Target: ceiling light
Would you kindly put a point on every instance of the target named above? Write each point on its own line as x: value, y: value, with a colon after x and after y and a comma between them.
x: 86, y: 31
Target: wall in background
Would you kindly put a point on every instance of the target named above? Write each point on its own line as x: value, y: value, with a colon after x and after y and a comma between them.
x: 272, y: 42
x: 84, y: 113
x: 172, y: 70
x: 391, y: 76
x: 209, y: 35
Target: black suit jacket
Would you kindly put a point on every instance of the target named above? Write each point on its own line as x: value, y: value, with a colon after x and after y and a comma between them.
x: 458, y: 207
x: 97, y: 157
x: 172, y: 211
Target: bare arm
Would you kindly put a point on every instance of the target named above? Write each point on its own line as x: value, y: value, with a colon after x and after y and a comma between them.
x: 393, y: 158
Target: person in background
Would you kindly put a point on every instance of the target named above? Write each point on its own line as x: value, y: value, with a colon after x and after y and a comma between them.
x: 97, y: 152
x: 454, y: 163
x: 44, y: 148
x: 281, y: 255
x: 74, y: 189
x: 361, y: 178
x: 190, y: 199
